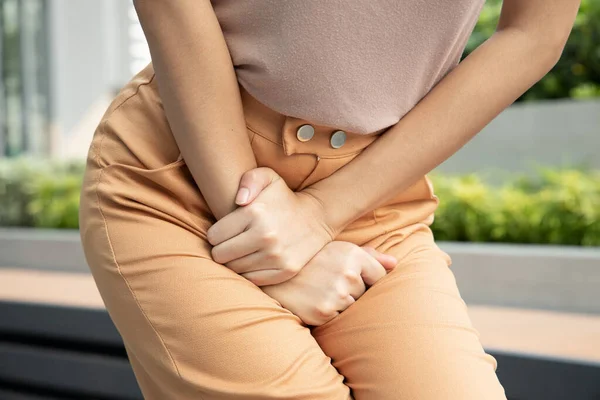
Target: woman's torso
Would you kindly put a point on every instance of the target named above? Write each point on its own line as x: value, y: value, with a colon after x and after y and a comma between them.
x: 351, y: 64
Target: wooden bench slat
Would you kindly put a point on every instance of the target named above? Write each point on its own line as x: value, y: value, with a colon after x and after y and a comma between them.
x: 91, y: 326
x: 538, y: 332
x: 85, y: 374
x: 15, y: 395
x: 527, y: 377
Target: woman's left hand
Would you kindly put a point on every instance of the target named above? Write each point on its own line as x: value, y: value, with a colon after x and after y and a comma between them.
x: 274, y: 233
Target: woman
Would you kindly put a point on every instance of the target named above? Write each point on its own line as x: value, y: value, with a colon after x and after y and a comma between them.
x: 244, y: 191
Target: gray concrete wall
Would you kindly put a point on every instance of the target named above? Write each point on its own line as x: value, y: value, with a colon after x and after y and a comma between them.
x: 549, y: 133
x: 559, y: 278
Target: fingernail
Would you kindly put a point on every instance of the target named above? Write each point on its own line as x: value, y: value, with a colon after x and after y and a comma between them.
x: 242, y: 196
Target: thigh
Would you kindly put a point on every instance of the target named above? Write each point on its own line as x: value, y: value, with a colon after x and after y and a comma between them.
x: 409, y: 336
x: 193, y: 329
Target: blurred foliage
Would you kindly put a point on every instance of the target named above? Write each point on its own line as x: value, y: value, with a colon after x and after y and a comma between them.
x: 39, y: 193
x: 577, y: 73
x: 552, y: 206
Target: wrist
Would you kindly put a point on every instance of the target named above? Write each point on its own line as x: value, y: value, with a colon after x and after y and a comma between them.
x: 324, y: 213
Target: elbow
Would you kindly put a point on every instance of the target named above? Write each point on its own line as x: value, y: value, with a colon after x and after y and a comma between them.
x: 543, y: 47
x: 550, y: 43
x: 541, y: 44
x: 552, y: 47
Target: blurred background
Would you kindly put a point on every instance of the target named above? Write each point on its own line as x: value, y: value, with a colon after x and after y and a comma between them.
x: 519, y: 211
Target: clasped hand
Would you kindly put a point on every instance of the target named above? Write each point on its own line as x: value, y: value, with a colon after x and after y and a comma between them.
x: 278, y: 240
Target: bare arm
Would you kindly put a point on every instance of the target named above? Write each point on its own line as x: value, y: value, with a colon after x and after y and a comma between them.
x: 527, y: 44
x: 284, y: 232
x: 200, y: 94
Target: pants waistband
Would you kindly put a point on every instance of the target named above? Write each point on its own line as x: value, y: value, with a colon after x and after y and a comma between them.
x: 283, y: 130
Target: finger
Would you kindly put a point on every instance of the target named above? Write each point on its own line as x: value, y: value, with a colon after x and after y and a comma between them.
x: 346, y: 302
x: 349, y: 301
x: 356, y: 285
x: 263, y: 260
x: 372, y: 270
x: 228, y: 227
x: 250, y: 263
x: 267, y: 277
x: 341, y: 305
x: 252, y: 183
x: 388, y: 262
x: 321, y: 319
x: 235, y: 248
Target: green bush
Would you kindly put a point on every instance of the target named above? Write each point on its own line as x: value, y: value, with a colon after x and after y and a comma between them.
x: 554, y: 206
x: 39, y: 193
x: 464, y: 211
x: 15, y: 193
x: 577, y: 73
x: 55, y: 203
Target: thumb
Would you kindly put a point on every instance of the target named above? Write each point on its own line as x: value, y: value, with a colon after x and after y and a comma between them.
x: 252, y: 183
x: 388, y: 262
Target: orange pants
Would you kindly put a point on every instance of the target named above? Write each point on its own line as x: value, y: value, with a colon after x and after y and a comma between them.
x: 193, y: 329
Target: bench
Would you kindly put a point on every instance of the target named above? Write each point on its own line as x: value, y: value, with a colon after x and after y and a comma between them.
x: 57, y: 342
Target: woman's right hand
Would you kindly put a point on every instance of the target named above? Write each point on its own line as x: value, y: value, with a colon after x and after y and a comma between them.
x: 332, y: 280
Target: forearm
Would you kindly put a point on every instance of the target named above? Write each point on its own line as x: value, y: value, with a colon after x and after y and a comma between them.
x: 467, y: 99
x: 200, y: 95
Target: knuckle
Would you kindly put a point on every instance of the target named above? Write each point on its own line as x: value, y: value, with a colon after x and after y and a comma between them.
x: 343, y: 294
x: 256, y: 210
x: 287, y: 275
x: 291, y: 267
x: 324, y: 310
x: 285, y: 272
x: 352, y: 276
x: 356, y: 251
x: 269, y: 237
x: 379, y: 271
x: 274, y: 257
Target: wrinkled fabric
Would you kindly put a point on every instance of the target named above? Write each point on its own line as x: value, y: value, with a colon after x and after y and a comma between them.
x: 193, y: 329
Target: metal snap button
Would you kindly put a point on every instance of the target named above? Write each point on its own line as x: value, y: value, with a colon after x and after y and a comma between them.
x: 305, y: 133
x: 338, y: 139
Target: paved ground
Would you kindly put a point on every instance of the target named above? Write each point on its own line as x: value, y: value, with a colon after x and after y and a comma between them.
x: 550, y: 334
x: 61, y: 288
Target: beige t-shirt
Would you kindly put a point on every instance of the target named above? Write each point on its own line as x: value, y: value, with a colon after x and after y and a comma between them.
x: 356, y: 65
